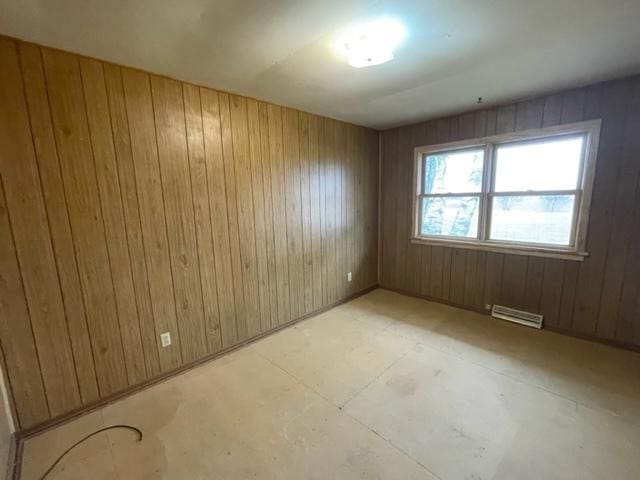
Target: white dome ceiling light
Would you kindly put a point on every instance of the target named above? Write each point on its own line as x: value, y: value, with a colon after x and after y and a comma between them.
x: 371, y: 43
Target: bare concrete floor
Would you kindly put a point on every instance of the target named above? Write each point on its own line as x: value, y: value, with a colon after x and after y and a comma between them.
x: 384, y: 387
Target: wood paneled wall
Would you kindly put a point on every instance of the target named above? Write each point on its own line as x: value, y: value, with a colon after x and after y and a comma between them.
x: 599, y: 297
x: 132, y: 204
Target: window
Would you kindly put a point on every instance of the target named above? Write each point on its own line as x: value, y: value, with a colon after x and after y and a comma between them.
x: 525, y: 192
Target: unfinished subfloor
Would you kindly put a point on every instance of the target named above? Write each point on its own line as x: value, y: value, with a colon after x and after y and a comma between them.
x: 384, y: 387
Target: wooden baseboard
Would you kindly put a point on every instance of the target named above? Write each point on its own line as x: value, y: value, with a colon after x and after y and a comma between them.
x: 14, y: 457
x: 21, y: 436
x: 612, y: 343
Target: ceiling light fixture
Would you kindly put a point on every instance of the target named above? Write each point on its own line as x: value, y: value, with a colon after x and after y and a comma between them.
x: 371, y: 43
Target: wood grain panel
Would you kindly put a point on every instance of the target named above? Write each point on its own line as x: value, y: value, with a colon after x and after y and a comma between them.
x: 244, y: 192
x: 218, y: 204
x: 131, y: 208
x: 596, y: 297
x: 18, y: 343
x: 137, y: 92
x: 315, y: 234
x: 268, y: 213
x: 305, y: 201
x: 168, y: 108
x: 27, y: 216
x: 134, y: 205
x: 59, y: 225
x: 77, y: 164
x: 294, y: 212
x: 101, y: 138
x: 202, y: 215
x: 279, y: 213
x: 259, y: 210
x: 330, y: 174
x: 242, y: 316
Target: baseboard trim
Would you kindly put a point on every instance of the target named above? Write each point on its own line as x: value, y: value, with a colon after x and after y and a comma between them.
x: 14, y: 457
x: 21, y: 436
x: 611, y: 343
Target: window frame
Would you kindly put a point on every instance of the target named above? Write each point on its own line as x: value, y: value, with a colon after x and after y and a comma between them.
x: 576, y: 250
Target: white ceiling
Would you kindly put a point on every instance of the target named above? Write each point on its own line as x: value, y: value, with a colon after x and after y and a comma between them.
x: 281, y: 50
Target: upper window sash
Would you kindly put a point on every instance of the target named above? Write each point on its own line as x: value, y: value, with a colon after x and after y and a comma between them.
x: 589, y: 130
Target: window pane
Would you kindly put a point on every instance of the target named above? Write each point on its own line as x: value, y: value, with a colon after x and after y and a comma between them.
x: 539, y: 165
x: 453, y: 172
x: 533, y: 219
x: 452, y: 216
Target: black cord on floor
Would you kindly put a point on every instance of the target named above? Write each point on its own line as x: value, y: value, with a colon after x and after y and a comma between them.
x: 59, y: 459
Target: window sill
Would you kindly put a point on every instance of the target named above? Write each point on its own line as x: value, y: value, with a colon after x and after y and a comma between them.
x: 498, y: 248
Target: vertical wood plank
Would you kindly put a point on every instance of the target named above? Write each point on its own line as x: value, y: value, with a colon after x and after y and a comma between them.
x: 305, y: 200
x: 279, y: 214
x: 246, y: 229
x: 470, y: 278
x: 621, y: 224
x: 56, y: 206
x: 389, y: 217
x: 340, y: 209
x: 128, y: 190
x: 218, y: 206
x: 146, y: 170
x: 67, y: 103
x: 529, y: 114
x: 414, y: 252
x: 373, y: 185
x: 493, y: 278
x: 446, y: 272
x: 168, y: 107
x: 18, y: 343
x: 331, y: 166
x: 591, y: 271
x: 202, y: 215
x: 294, y: 211
x: 27, y: 216
x: 256, y: 157
x: 324, y: 233
x: 552, y: 110
x: 315, y: 211
x: 458, y: 269
x: 551, y: 293
x: 533, y: 284
x: 101, y: 139
x: 437, y: 269
x: 404, y: 196
x: 232, y: 215
x: 268, y: 213
x: 567, y: 301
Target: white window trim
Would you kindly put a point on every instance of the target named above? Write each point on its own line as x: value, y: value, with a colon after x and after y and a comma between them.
x: 576, y: 251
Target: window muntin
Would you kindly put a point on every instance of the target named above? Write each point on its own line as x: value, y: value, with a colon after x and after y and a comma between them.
x: 529, y: 190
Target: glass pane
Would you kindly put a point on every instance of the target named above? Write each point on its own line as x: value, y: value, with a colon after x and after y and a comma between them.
x: 533, y: 219
x: 451, y: 216
x: 539, y: 165
x: 453, y: 172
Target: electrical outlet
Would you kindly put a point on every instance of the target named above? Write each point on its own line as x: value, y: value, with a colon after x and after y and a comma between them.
x: 349, y: 278
x: 487, y: 306
x: 165, y: 339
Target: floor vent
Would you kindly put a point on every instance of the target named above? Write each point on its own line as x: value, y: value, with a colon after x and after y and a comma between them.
x: 517, y: 316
